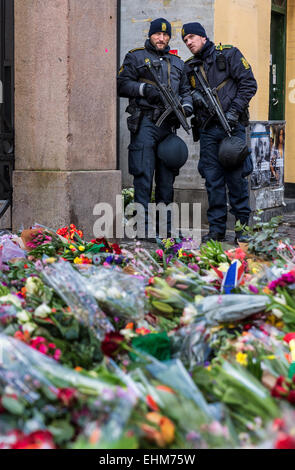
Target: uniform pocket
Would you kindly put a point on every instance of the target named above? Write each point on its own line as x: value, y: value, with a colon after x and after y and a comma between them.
x: 135, y: 159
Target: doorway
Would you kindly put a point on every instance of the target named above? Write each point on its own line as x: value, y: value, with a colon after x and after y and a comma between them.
x: 277, y: 60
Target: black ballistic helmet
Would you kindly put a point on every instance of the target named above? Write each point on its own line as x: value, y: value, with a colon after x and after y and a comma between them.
x: 232, y: 152
x: 173, y: 152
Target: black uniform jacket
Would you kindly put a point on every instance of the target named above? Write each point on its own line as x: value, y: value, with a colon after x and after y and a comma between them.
x: 224, y: 63
x: 133, y: 74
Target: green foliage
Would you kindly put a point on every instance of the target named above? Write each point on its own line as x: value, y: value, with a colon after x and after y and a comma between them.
x: 263, y: 236
x: 212, y: 254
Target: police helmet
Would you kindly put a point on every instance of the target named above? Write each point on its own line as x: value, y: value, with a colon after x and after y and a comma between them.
x: 173, y: 152
x: 232, y: 152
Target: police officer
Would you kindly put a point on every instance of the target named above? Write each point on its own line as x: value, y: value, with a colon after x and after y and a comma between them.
x: 230, y: 74
x: 145, y: 106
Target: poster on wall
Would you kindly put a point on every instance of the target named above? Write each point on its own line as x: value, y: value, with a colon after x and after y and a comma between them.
x: 267, y: 149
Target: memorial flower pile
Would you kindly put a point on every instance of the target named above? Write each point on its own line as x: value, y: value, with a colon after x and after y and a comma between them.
x: 183, y: 347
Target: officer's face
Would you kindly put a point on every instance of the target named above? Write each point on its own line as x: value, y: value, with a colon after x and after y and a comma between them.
x: 160, y: 40
x: 194, y: 42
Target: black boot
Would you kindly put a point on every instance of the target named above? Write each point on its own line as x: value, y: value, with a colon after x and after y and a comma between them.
x: 216, y: 236
x: 241, y: 237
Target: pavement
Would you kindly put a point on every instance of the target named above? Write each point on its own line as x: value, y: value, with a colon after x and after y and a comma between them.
x: 286, y: 230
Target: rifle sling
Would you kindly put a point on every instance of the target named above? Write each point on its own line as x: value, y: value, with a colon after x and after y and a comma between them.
x: 221, y: 85
x: 146, y: 80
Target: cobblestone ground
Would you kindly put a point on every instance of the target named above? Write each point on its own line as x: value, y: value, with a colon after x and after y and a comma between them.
x: 286, y: 230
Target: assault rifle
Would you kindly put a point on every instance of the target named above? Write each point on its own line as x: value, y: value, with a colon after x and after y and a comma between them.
x: 210, y: 101
x: 170, y: 101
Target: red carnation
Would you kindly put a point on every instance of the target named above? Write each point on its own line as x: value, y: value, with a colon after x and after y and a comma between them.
x: 111, y: 344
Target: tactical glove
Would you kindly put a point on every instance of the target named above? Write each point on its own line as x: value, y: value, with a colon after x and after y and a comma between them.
x: 152, y: 95
x: 233, y: 117
x: 188, y: 111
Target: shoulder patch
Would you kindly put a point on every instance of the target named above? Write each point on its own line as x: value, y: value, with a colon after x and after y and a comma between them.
x: 173, y: 53
x: 187, y: 60
x: 245, y: 63
x: 137, y: 49
x: 220, y: 47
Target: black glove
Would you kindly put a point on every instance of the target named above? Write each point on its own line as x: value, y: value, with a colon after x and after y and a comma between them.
x: 188, y: 111
x: 233, y: 117
x: 152, y: 95
x: 198, y: 99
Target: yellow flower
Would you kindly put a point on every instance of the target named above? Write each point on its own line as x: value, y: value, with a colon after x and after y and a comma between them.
x: 50, y: 260
x: 271, y: 357
x: 67, y: 251
x: 209, y: 368
x: 180, y: 253
x: 78, y: 260
x: 81, y: 248
x: 242, y: 358
x: 72, y: 247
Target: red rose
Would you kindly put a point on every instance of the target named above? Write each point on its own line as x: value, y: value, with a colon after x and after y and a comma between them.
x: 280, y: 380
x: 278, y: 424
x: 116, y: 248
x: 111, y: 344
x: 67, y: 396
x: 288, y: 337
x: 279, y: 392
x: 291, y: 396
x: 35, y: 440
x: 285, y: 442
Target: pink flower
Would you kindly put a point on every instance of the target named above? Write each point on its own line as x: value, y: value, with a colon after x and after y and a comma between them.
x: 51, y: 345
x: 253, y: 289
x: 43, y: 349
x: 57, y: 354
x: 160, y: 253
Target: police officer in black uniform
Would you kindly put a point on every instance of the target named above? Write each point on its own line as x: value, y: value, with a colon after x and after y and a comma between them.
x: 146, y: 106
x: 230, y: 74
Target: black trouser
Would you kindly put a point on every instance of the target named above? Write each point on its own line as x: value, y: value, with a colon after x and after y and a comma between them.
x: 217, y: 178
x: 143, y: 162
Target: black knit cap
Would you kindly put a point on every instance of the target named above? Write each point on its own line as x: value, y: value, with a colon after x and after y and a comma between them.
x: 160, y: 25
x: 193, y: 28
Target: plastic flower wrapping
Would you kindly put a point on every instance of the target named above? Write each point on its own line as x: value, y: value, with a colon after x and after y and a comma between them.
x: 175, y: 347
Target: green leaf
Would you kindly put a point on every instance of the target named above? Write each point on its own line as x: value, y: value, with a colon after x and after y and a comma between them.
x: 162, y: 307
x: 13, y: 405
x: 61, y: 430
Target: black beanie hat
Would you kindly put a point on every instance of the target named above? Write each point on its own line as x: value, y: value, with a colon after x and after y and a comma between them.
x: 193, y: 28
x: 160, y: 25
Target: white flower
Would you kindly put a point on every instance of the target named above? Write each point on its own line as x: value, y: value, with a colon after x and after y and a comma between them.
x: 277, y: 312
x: 23, y: 316
x: 100, y: 295
x: 114, y: 293
x: 280, y: 299
x: 10, y: 298
x: 30, y: 327
x: 188, y: 314
x: 128, y: 333
x: 223, y: 267
x: 33, y: 285
x: 42, y: 311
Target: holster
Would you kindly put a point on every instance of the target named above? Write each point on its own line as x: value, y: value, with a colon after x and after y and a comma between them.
x: 244, y: 117
x: 195, y: 124
x: 134, y: 120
